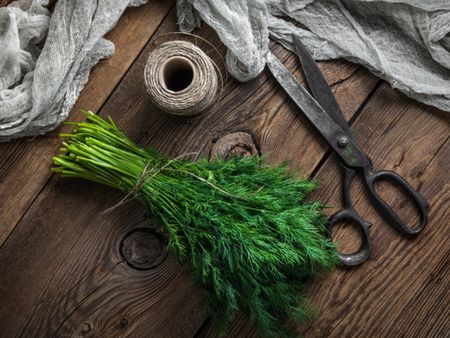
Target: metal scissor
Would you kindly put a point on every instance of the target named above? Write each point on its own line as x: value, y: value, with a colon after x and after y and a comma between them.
x: 324, y: 113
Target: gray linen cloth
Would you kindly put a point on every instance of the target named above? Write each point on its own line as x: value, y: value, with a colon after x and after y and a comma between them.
x: 404, y: 42
x: 39, y: 85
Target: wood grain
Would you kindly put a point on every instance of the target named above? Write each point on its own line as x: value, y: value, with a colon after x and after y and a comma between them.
x: 374, y: 299
x: 67, y: 269
x: 285, y: 134
x: 403, y: 290
x: 76, y: 293
x: 234, y: 144
x: 24, y: 168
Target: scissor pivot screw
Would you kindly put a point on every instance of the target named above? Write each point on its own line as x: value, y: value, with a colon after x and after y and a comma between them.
x: 342, y: 141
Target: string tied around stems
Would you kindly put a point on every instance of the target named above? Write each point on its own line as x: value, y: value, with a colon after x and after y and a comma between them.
x: 149, y: 172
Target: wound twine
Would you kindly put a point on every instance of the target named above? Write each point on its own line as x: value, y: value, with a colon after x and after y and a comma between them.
x: 181, y: 79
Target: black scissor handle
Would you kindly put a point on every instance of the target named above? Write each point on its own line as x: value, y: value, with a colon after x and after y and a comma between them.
x: 386, y: 212
x: 350, y: 214
x: 364, y: 251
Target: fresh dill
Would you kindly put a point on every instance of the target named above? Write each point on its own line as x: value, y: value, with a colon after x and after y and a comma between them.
x: 243, y: 226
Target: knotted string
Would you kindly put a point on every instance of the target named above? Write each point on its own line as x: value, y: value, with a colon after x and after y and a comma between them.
x: 148, y: 173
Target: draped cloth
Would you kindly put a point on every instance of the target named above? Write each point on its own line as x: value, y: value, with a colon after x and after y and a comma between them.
x: 40, y: 82
x: 405, y: 42
x: 45, y: 58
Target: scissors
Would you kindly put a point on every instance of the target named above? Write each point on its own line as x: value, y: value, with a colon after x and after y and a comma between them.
x: 324, y: 113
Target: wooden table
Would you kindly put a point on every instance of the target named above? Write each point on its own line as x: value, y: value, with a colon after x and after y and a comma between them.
x: 68, y: 270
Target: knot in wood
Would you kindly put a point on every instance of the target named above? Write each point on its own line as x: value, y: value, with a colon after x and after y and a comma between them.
x: 234, y: 144
x: 143, y: 250
x: 86, y: 328
x: 124, y: 322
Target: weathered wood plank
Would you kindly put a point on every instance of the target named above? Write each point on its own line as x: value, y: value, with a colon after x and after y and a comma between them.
x: 24, y: 168
x: 432, y: 299
x: 82, y: 285
x: 376, y: 299
x: 285, y: 134
x: 75, y: 293
x: 56, y: 307
x: 402, y: 290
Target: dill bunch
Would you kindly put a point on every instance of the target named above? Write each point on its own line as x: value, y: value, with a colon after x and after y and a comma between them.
x: 241, y: 225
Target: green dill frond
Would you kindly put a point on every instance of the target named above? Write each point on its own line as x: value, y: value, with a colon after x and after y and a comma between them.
x: 250, y: 239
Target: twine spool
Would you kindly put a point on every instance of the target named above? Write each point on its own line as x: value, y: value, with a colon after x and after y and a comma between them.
x: 181, y: 79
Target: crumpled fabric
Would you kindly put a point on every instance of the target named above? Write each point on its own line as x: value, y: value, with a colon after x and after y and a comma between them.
x: 405, y: 42
x: 45, y: 60
x: 39, y: 83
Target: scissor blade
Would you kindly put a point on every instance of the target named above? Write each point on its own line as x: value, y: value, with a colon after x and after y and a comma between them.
x: 320, y: 89
x: 327, y: 127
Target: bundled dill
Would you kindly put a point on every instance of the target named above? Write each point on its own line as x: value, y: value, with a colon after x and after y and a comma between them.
x: 241, y: 225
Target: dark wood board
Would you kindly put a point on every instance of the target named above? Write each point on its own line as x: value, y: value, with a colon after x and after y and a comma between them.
x: 397, y: 137
x: 402, y: 291
x: 23, y: 168
x: 64, y: 268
